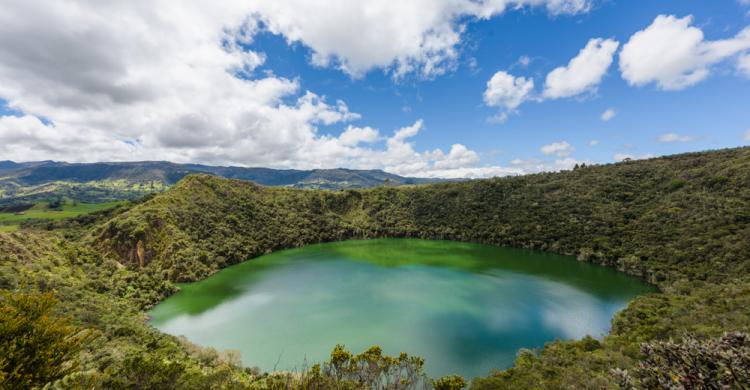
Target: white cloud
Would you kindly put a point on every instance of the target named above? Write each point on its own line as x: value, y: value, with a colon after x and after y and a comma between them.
x: 458, y: 157
x: 27, y: 137
x: 584, y: 72
x: 353, y: 136
x: 747, y: 135
x: 608, y: 114
x: 402, y: 36
x: 674, y: 137
x: 400, y: 157
x: 171, y: 80
x: 674, y: 55
x: 475, y: 172
x: 559, y: 149
x: 593, y: 142
x: 743, y: 64
x: 627, y: 156
x: 506, y: 91
x: 557, y: 7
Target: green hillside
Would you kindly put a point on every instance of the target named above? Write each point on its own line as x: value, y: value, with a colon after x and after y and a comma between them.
x: 668, y: 219
x: 681, y: 222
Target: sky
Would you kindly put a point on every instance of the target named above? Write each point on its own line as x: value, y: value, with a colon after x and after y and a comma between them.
x: 431, y: 88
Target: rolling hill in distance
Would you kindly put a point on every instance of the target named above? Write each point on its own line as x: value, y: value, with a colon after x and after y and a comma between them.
x: 109, y: 181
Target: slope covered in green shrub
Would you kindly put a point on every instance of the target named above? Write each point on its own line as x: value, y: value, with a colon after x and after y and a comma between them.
x: 683, y: 217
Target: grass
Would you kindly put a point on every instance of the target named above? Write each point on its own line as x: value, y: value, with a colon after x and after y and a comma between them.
x: 10, y: 221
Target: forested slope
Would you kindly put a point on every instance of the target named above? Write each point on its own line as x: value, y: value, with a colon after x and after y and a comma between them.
x: 679, y: 217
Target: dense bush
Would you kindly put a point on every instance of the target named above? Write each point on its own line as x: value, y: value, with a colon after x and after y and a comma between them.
x: 37, y: 346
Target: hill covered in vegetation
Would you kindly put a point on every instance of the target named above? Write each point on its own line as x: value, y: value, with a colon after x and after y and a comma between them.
x: 681, y: 222
x: 104, y: 182
x: 676, y: 218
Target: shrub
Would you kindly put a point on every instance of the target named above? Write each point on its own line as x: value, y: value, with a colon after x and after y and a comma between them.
x: 37, y: 346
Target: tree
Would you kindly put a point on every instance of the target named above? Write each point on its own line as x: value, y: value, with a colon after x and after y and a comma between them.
x: 37, y: 346
x: 55, y: 204
x: 450, y: 382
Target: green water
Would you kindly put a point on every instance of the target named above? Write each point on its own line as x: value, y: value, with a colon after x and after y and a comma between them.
x: 465, y: 308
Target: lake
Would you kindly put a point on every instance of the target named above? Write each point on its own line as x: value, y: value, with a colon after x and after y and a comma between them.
x: 465, y: 308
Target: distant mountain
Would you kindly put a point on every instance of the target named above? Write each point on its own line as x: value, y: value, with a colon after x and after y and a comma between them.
x: 106, y: 181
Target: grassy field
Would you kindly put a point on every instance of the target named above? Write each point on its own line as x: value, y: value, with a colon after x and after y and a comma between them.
x: 11, y: 221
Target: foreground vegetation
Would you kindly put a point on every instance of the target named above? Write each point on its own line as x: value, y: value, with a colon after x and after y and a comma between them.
x: 681, y: 222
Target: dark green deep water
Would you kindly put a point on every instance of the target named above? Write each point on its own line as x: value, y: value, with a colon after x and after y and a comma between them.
x: 465, y: 308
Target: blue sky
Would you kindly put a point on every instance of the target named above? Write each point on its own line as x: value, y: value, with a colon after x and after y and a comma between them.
x: 713, y: 112
x: 415, y: 88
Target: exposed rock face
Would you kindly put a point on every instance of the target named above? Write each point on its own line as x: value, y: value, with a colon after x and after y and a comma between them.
x: 140, y: 253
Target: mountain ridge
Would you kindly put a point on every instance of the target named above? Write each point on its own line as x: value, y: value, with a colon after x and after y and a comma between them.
x: 108, y: 181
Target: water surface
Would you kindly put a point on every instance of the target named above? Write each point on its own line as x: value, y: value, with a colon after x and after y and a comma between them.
x: 465, y: 308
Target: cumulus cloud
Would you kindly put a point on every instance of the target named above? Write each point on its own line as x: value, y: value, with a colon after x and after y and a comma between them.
x: 400, y: 157
x: 747, y: 135
x: 176, y: 81
x: 506, y: 91
x: 353, y: 136
x: 584, y: 72
x: 27, y: 137
x: 593, y: 142
x: 608, y: 114
x: 674, y: 137
x: 559, y: 149
x: 674, y: 55
x: 417, y: 36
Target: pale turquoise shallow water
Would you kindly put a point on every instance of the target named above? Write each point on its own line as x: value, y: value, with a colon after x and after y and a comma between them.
x: 465, y: 308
